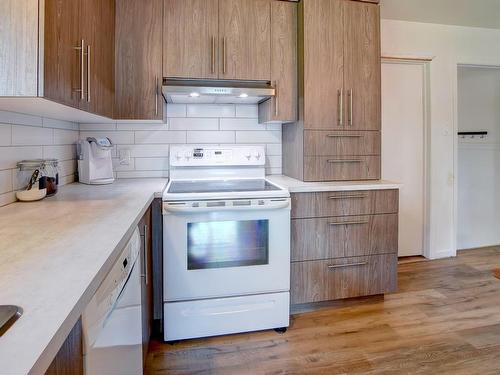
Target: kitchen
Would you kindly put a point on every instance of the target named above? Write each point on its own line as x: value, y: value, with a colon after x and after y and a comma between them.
x: 248, y: 186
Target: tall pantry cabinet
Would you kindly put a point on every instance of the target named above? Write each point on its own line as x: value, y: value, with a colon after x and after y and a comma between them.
x: 337, y: 136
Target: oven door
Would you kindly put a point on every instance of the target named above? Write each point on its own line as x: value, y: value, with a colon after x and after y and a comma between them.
x: 228, y: 248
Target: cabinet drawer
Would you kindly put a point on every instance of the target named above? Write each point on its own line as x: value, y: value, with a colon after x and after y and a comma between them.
x: 342, y: 203
x: 332, y: 279
x: 341, y: 168
x: 341, y: 143
x: 339, y: 237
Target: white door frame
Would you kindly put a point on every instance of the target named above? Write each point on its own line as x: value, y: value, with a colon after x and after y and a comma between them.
x: 424, y: 62
x: 477, y: 62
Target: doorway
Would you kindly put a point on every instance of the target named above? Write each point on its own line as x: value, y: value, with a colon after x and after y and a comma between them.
x: 404, y: 146
x: 478, y: 156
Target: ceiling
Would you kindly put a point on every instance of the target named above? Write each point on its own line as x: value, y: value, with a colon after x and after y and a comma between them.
x: 473, y: 13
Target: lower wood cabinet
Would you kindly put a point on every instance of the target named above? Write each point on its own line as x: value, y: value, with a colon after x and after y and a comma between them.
x: 344, y: 244
x: 69, y: 359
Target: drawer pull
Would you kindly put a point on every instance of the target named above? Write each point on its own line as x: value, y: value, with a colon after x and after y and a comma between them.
x: 349, y: 223
x: 332, y: 267
x: 338, y: 161
x: 363, y: 196
x: 345, y: 136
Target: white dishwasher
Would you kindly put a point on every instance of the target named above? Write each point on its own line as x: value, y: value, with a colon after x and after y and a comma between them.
x: 112, y: 322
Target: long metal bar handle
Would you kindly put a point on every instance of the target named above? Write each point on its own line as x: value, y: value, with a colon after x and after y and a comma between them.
x: 276, y: 100
x: 156, y: 95
x: 339, y: 161
x: 345, y: 136
x: 89, y: 63
x: 361, y: 222
x: 213, y: 55
x: 351, y: 104
x: 340, y: 108
x: 146, y: 240
x: 347, y: 265
x: 349, y: 197
x: 224, y: 55
x: 82, y: 72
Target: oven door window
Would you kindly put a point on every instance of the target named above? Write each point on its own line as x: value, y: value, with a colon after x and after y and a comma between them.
x: 220, y: 244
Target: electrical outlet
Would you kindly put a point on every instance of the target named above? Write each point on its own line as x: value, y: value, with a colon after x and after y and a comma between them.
x: 124, y: 156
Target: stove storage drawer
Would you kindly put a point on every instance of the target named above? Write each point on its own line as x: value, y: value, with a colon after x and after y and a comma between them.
x: 344, y: 203
x: 331, y: 279
x: 341, y: 143
x: 339, y: 237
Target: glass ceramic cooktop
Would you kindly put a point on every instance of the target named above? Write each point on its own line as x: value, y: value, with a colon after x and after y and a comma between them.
x: 220, y: 186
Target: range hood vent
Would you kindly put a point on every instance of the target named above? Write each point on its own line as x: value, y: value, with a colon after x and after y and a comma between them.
x: 216, y: 92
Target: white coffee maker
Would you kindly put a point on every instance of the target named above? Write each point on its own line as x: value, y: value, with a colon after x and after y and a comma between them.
x: 95, y: 166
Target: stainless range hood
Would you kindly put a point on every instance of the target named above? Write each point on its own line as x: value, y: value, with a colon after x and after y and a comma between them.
x: 216, y: 92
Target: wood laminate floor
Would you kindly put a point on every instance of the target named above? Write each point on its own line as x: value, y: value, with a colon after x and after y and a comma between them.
x: 445, y: 319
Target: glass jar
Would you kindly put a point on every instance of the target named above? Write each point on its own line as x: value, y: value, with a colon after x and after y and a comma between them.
x: 51, y: 171
x: 26, y: 169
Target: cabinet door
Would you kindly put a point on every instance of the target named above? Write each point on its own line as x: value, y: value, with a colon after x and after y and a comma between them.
x: 63, y: 62
x: 138, y: 58
x: 362, y: 65
x: 146, y: 281
x: 323, y: 63
x: 190, y: 44
x: 245, y: 37
x: 283, y: 107
x: 69, y: 358
x: 98, y: 30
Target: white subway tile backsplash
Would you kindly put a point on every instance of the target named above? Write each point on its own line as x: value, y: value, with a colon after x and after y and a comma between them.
x: 273, y: 126
x: 117, y: 166
x: 117, y: 137
x: 7, y: 198
x: 63, y: 152
x: 20, y: 119
x: 193, y: 123
x: 67, y: 167
x: 258, y: 137
x: 151, y: 164
x: 210, y: 110
x: 9, y: 156
x: 31, y: 135
x: 249, y: 111
x: 274, y: 149
x: 203, y: 137
x: 273, y: 161
x: 5, y: 181
x: 5, y: 135
x: 160, y: 137
x: 176, y: 110
x: 145, y: 151
x: 240, y: 124
x: 142, y: 174
x: 103, y: 127
x: 139, y: 126
x: 65, y: 137
x: 59, y: 124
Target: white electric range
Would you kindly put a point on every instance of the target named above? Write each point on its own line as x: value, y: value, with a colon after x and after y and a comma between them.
x: 226, y: 244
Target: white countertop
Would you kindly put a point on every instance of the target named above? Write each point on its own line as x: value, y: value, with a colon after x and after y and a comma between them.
x: 54, y: 254
x: 297, y: 186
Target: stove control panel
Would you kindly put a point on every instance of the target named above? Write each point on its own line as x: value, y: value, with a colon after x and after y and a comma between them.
x: 199, y: 156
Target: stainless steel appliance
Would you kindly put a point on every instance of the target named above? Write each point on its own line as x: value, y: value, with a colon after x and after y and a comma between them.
x: 226, y: 244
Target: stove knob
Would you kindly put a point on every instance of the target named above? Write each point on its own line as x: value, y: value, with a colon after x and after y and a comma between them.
x: 178, y: 156
x: 248, y: 156
x: 188, y: 155
x: 258, y: 156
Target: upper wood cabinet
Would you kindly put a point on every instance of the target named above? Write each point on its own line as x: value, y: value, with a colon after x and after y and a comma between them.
x: 245, y: 34
x: 191, y: 29
x: 138, y: 54
x: 217, y: 39
x: 362, y: 71
x: 282, y: 107
x: 323, y: 61
x: 78, y: 54
x: 337, y: 136
x: 341, y: 65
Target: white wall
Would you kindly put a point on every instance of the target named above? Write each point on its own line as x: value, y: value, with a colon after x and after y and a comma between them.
x: 479, y: 159
x: 31, y: 137
x: 448, y: 45
x: 193, y: 124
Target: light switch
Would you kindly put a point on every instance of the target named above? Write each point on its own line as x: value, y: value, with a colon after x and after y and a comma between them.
x: 124, y: 156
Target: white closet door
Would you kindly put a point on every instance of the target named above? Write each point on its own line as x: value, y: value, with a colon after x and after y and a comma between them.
x: 403, y: 148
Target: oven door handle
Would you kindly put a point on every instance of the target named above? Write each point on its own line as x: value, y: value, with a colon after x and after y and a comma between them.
x: 175, y: 208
